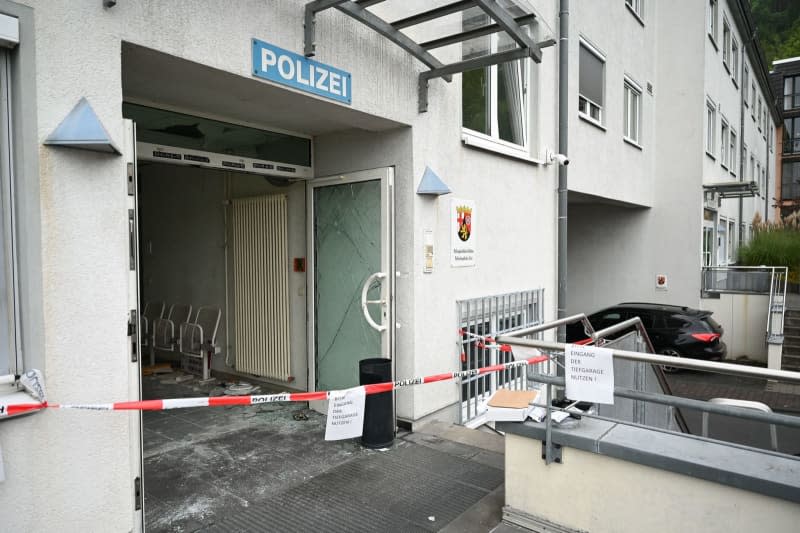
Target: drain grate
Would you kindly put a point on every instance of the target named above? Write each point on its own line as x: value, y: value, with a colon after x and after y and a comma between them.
x: 391, y: 491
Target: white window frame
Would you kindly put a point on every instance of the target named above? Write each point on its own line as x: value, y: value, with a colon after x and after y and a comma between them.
x: 745, y: 83
x: 636, y: 8
x: 731, y: 247
x: 10, y: 353
x: 585, y: 105
x: 632, y: 100
x: 492, y: 141
x: 711, y: 128
x: 723, y: 142
x: 744, y: 160
x: 726, y: 43
x: 734, y: 60
x: 732, y: 152
x: 753, y: 100
x: 759, y: 114
x: 713, y: 15
x: 722, y: 241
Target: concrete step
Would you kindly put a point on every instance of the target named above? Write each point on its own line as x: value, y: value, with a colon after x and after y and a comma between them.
x: 791, y: 331
x: 793, y: 313
x: 791, y: 349
x: 791, y: 322
x: 790, y: 362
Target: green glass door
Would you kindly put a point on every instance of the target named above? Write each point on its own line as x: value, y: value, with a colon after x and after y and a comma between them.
x: 350, y: 250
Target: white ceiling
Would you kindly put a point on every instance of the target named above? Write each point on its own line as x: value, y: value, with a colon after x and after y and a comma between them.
x: 188, y: 86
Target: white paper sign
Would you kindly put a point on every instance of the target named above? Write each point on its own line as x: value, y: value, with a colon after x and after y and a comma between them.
x: 462, y: 233
x: 345, y: 414
x: 589, y: 372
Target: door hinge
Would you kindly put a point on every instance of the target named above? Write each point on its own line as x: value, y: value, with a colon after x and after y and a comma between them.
x: 137, y: 493
x: 131, y: 180
x: 132, y: 323
x: 132, y: 238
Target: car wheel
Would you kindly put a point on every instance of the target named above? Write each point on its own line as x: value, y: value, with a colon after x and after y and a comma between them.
x: 673, y: 353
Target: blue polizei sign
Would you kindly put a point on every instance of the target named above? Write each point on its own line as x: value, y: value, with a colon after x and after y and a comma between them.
x: 287, y: 68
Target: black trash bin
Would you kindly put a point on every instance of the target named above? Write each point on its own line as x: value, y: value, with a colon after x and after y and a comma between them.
x: 378, y: 419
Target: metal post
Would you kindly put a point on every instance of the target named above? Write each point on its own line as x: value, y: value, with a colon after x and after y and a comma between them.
x: 563, y: 148
x: 548, y: 446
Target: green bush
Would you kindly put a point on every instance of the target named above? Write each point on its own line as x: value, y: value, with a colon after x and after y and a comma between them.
x: 773, y: 247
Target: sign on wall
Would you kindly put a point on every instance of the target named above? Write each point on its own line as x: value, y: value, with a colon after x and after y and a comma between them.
x: 462, y: 233
x: 294, y: 70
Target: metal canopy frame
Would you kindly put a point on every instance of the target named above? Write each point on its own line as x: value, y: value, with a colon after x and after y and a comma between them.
x: 735, y: 189
x: 503, y: 22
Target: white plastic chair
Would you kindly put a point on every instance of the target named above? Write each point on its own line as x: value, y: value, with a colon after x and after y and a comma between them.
x: 199, y: 338
x: 152, y: 312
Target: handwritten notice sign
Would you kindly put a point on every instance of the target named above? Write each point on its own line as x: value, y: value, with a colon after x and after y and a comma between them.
x: 462, y: 233
x: 345, y: 414
x: 589, y: 372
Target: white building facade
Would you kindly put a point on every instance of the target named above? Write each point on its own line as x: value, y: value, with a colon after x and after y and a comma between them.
x: 89, y: 237
x: 686, y: 110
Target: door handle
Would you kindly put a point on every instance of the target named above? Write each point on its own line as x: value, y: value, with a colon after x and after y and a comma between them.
x: 366, y: 303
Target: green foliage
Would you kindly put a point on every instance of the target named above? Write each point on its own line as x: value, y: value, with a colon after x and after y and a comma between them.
x: 778, y: 27
x: 773, y: 247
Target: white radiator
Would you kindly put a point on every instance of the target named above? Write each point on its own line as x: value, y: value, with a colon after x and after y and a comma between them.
x: 261, y: 286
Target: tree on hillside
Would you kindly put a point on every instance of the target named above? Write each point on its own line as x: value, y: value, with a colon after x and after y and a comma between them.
x: 778, y: 27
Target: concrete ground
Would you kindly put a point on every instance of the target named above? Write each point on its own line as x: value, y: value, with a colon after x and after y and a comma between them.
x: 268, y: 468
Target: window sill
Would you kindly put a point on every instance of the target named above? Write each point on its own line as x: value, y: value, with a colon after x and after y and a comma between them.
x: 631, y: 142
x: 725, y: 64
x: 714, y: 42
x: 724, y: 166
x: 11, y: 396
x: 709, y: 154
x: 735, y: 83
x: 590, y: 120
x: 636, y: 15
x: 479, y: 142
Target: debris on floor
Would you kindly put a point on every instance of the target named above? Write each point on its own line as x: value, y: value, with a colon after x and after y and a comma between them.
x: 176, y: 377
x: 241, y: 389
x: 160, y: 368
x: 300, y: 416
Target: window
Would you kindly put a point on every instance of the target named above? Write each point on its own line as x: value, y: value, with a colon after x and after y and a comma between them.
x: 742, y: 233
x: 791, y: 92
x: 791, y: 135
x: 723, y: 144
x: 726, y: 44
x: 753, y: 176
x: 713, y: 15
x: 744, y: 161
x: 711, y: 127
x: 759, y: 113
x: 745, y: 83
x: 790, y: 181
x: 753, y: 100
x: 592, y: 82
x: 635, y: 6
x: 757, y: 178
x: 8, y: 311
x: 632, y: 111
x: 708, y: 244
x: 722, y: 241
x: 732, y: 153
x: 734, y: 60
x: 764, y: 181
x: 495, y: 99
x: 764, y: 121
x: 731, y: 242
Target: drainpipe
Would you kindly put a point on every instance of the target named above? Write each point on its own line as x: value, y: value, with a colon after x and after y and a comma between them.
x: 563, y: 117
x: 742, y: 163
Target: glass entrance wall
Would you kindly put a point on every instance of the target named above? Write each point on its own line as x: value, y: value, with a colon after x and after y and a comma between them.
x: 347, y: 250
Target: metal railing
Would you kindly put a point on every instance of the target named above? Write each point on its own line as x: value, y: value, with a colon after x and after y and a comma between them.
x: 673, y: 402
x: 489, y: 316
x: 769, y: 280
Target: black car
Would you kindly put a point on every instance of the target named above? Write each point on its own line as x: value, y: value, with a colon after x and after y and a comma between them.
x: 673, y: 330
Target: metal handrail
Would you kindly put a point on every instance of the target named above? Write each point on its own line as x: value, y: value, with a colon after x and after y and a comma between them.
x: 667, y: 360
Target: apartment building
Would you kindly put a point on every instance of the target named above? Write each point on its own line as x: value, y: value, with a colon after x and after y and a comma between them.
x: 785, y: 77
x: 672, y: 146
x: 404, y: 168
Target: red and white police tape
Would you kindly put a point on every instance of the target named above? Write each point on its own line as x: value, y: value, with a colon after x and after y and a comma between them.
x: 179, y: 403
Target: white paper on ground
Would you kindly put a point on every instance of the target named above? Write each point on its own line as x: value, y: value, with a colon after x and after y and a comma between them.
x: 589, y: 372
x: 345, y: 414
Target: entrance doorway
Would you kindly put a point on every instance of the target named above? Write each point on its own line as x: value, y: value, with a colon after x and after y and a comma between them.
x: 352, y: 282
